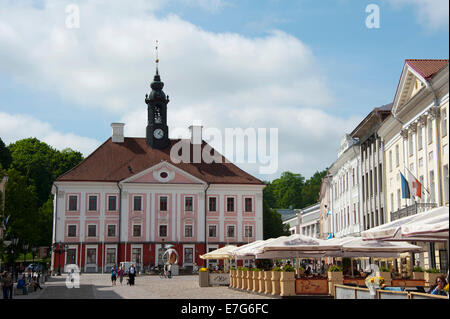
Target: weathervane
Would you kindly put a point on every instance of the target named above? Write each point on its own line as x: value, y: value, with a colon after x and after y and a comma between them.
x: 157, y: 59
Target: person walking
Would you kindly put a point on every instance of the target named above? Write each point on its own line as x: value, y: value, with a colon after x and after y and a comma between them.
x: 113, y: 274
x: 132, y: 274
x: 121, y: 273
x: 6, y: 285
x: 169, y: 270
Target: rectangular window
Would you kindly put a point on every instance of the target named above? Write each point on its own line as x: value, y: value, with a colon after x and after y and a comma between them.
x: 136, y: 230
x: 111, y: 230
x: 397, y: 155
x: 430, y: 131
x: 230, y: 231
x: 110, y: 255
x: 73, y: 203
x: 380, y: 176
x: 444, y: 122
x: 248, y: 205
x: 430, y: 156
x: 419, y: 138
x: 162, y: 230
x: 399, y: 199
x: 163, y: 203
x: 188, y: 231
x: 92, y: 203
x: 212, y: 231
x: 137, y: 203
x: 72, y: 231
x: 136, y: 255
x: 188, y: 255
x: 392, y: 203
x: 248, y: 231
x: 421, y: 162
x: 212, y: 204
x: 446, y: 186
x: 92, y: 230
x: 411, y: 144
x: 91, y: 256
x: 432, y: 187
x: 230, y: 204
x: 112, y: 203
x: 188, y: 204
x: 71, y: 256
x: 390, y: 161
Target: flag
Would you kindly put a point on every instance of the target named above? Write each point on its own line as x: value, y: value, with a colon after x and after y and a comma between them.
x: 406, y: 193
x: 329, y: 213
x: 330, y: 236
x: 415, y: 186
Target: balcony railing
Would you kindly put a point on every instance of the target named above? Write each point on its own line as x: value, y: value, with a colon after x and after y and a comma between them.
x: 412, y: 210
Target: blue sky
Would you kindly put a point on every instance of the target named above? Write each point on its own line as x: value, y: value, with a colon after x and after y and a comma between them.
x: 310, y: 68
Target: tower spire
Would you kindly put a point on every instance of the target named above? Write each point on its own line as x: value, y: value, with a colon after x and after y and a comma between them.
x: 157, y: 58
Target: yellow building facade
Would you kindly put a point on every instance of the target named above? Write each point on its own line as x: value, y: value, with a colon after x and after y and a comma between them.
x: 415, y: 139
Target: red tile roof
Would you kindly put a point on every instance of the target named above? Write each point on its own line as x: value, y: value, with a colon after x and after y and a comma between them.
x: 113, y: 162
x: 427, y: 68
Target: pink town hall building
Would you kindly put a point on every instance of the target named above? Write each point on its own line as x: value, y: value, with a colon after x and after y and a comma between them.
x: 128, y: 199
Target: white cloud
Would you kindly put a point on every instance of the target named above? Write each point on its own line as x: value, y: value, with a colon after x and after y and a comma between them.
x: 223, y: 79
x: 18, y: 126
x: 433, y: 14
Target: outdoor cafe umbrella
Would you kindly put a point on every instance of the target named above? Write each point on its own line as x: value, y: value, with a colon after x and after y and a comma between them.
x: 427, y: 226
x: 221, y: 253
x: 248, y: 251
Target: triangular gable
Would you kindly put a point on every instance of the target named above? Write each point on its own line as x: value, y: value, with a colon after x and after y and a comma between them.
x: 411, y: 82
x: 163, y: 173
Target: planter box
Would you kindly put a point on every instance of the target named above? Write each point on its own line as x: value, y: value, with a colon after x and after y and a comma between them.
x: 407, y: 283
x: 239, y: 279
x: 418, y: 275
x: 276, y: 282
x: 268, y: 282
x: 256, y: 281
x: 306, y: 286
x: 387, y: 277
x: 336, y: 276
x: 287, y: 283
x: 244, y: 279
x: 203, y: 277
x: 262, y: 284
x: 219, y: 279
x: 232, y: 277
x: 430, y: 279
x: 250, y: 280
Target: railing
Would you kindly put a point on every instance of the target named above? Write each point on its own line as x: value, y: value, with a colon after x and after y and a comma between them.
x: 412, y: 210
x: 348, y: 292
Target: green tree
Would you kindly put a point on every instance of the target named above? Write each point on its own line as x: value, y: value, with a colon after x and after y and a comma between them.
x: 272, y: 224
x: 5, y: 156
x: 22, y: 206
x: 45, y: 224
x: 41, y: 164
x: 285, y: 191
x: 310, y: 192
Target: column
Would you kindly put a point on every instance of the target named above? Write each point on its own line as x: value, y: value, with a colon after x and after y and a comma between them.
x: 423, y: 122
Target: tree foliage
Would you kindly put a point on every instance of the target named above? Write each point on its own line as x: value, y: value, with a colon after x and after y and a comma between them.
x: 5, y: 156
x: 33, y: 167
x: 272, y: 224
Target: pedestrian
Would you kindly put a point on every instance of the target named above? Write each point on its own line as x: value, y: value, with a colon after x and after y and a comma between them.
x: 121, y: 273
x: 6, y: 285
x: 113, y: 274
x: 439, y: 287
x: 21, y: 284
x: 35, y: 284
x: 132, y: 274
x: 169, y: 270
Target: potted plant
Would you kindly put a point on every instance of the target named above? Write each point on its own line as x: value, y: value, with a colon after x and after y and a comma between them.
x: 418, y: 273
x: 256, y: 272
x: 301, y: 271
x: 386, y: 274
x: 335, y: 276
x: 203, y: 277
x: 431, y: 275
x: 287, y: 281
x: 276, y: 275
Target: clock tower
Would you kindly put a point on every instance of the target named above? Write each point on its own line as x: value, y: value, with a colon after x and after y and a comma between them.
x: 157, y: 130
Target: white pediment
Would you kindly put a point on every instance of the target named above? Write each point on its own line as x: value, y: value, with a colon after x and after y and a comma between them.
x: 410, y: 84
x: 163, y: 173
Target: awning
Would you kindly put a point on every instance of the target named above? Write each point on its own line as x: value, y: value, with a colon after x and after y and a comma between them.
x: 221, y: 253
x: 428, y: 226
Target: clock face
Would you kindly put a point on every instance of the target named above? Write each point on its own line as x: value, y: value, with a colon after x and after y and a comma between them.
x: 158, y: 133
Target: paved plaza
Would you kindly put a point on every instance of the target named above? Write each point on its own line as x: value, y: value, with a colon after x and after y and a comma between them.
x: 98, y: 286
